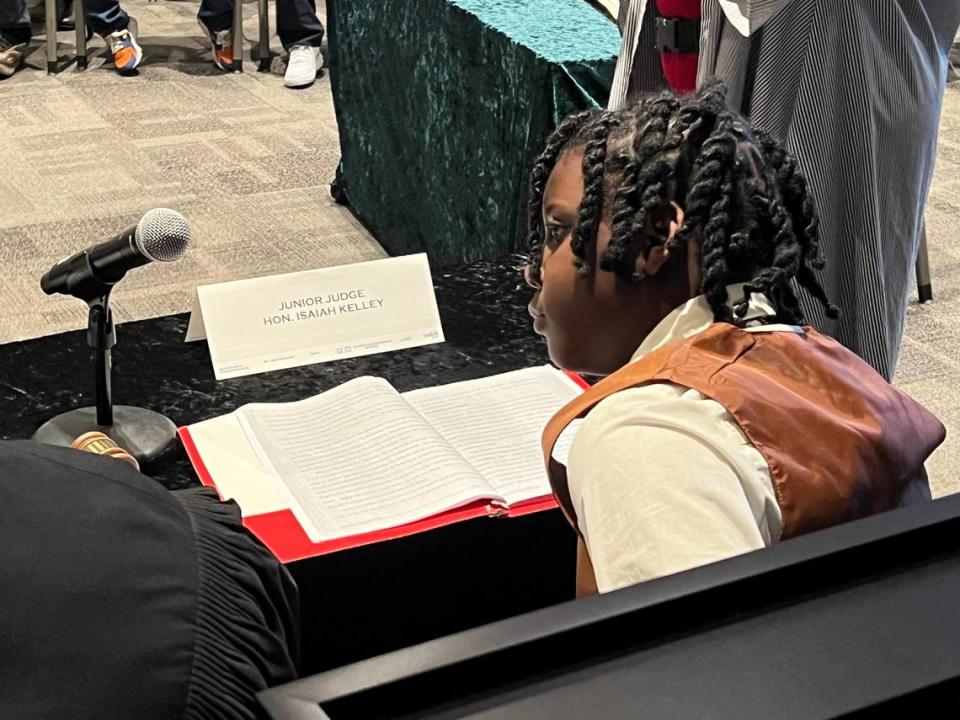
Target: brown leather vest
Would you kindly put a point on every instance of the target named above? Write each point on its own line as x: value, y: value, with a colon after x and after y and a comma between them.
x: 840, y: 441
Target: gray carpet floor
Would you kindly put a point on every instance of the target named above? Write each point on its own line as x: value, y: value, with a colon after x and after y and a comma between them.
x: 83, y: 154
x: 929, y: 366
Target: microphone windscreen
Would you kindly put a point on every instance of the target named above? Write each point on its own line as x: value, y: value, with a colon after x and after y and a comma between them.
x: 163, y: 235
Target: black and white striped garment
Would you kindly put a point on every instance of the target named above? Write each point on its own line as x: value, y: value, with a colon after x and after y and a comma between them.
x: 854, y: 89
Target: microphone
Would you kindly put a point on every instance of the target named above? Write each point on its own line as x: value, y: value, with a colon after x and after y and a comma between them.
x: 162, y: 235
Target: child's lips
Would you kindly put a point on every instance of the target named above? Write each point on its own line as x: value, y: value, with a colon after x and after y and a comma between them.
x: 539, y: 319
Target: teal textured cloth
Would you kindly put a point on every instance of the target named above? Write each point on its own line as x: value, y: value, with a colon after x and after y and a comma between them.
x: 443, y: 105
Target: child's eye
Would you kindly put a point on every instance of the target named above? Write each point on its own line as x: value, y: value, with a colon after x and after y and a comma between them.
x: 554, y: 235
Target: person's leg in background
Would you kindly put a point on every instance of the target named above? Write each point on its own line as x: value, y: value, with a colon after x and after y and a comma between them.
x: 216, y: 19
x: 108, y: 19
x: 953, y: 73
x: 301, y: 33
x: 65, y: 18
x: 14, y: 35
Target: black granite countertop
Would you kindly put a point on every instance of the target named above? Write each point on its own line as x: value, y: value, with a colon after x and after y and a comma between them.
x: 482, y: 307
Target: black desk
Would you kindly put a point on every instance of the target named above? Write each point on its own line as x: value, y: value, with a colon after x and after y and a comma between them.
x: 855, y: 621
x: 374, y: 599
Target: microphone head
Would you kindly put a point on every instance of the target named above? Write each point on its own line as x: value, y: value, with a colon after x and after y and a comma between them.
x: 163, y: 235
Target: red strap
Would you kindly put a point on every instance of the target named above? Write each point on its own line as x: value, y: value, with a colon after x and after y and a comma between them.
x: 686, y: 9
x: 679, y: 68
x: 680, y: 71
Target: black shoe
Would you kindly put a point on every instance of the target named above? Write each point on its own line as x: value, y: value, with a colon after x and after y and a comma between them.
x: 67, y: 20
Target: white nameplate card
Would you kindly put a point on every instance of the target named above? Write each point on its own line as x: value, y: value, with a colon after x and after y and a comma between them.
x: 301, y: 318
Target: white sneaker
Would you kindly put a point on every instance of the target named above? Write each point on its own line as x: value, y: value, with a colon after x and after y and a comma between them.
x: 302, y: 66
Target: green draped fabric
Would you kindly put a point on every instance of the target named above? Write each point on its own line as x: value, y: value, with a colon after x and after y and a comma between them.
x: 442, y: 106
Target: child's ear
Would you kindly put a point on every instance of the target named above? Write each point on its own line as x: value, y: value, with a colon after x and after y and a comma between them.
x: 664, y: 226
x: 657, y: 257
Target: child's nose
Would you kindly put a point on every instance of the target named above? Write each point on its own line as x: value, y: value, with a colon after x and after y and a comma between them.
x: 531, y: 277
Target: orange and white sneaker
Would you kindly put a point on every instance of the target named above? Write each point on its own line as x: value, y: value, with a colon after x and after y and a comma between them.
x: 221, y: 43
x: 127, y: 53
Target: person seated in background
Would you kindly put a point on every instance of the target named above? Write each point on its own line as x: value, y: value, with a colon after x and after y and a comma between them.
x: 667, y: 241
x: 104, y: 17
x: 298, y: 27
x: 124, y: 600
x: 107, y: 19
x: 14, y: 35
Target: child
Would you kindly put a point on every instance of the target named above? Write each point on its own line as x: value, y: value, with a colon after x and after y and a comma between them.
x: 668, y: 239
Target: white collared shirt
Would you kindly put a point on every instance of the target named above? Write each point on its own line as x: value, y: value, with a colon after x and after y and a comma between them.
x: 662, y: 478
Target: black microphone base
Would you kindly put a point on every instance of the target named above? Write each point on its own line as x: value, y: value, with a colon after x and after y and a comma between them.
x: 145, y: 434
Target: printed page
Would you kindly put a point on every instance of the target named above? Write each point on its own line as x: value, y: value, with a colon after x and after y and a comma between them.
x: 496, y: 424
x: 235, y: 468
x: 358, y: 458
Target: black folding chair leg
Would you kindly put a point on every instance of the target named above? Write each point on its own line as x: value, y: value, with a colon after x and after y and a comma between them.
x: 51, y: 13
x: 80, y: 25
x: 238, y: 40
x: 264, y: 20
x: 924, y: 287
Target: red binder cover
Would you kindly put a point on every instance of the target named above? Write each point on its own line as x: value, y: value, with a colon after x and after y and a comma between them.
x: 286, y: 539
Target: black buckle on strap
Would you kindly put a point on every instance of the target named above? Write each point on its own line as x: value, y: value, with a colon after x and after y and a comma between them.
x: 678, y: 35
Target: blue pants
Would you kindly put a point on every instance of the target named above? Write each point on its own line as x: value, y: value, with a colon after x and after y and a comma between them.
x: 104, y: 16
x: 15, y: 20
x: 297, y: 21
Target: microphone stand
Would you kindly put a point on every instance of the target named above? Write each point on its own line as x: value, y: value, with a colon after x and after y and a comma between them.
x: 145, y: 434
x: 102, y: 336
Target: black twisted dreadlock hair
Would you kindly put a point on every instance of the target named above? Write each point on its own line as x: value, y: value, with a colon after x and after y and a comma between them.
x: 745, y: 200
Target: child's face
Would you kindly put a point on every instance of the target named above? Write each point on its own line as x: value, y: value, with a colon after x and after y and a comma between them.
x: 594, y: 323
